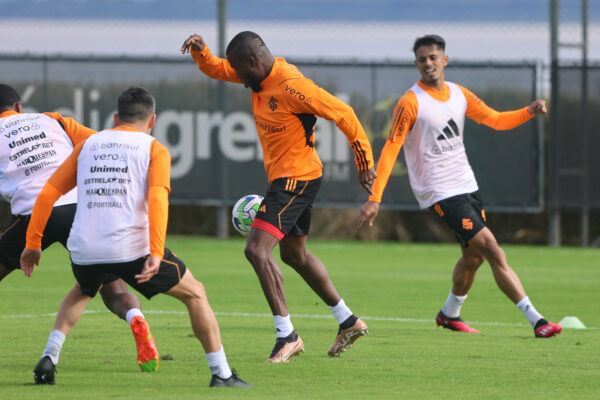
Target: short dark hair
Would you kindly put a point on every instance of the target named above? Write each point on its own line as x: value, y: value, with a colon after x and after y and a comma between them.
x: 8, y: 97
x: 244, y: 40
x: 135, y: 104
x: 429, y: 40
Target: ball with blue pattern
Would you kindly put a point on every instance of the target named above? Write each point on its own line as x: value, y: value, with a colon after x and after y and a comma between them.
x: 244, y: 211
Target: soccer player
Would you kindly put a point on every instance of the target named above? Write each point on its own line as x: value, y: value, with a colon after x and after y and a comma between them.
x: 123, y: 176
x: 285, y: 106
x: 428, y: 120
x: 32, y: 146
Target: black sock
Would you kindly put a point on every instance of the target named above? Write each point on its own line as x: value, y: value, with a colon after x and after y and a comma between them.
x: 292, y: 337
x: 541, y: 322
x: 349, y: 322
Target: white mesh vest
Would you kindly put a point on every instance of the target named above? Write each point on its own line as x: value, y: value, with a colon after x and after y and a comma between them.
x: 435, y: 154
x: 32, y: 146
x: 111, y: 223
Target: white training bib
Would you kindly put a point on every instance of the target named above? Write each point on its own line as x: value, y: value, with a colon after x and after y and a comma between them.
x: 111, y: 222
x: 32, y: 146
x: 437, y: 163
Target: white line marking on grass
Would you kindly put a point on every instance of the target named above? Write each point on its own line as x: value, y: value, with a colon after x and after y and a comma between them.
x: 261, y: 315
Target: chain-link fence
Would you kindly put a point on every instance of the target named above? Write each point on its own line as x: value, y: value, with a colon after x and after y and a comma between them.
x: 76, y: 55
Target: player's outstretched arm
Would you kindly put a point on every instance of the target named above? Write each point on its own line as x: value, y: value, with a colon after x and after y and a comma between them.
x: 368, y: 212
x: 29, y: 259
x: 213, y: 66
x: 538, y: 107
x: 194, y: 42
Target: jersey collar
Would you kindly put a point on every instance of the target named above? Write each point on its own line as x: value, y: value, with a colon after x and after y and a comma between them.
x: 439, y: 95
x: 272, y: 77
x: 125, y: 128
x: 8, y: 113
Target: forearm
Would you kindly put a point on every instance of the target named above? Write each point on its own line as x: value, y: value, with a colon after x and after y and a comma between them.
x: 386, y: 163
x: 333, y: 109
x: 363, y: 155
x: 213, y: 66
x: 40, y: 215
x: 158, y: 215
x: 506, y: 120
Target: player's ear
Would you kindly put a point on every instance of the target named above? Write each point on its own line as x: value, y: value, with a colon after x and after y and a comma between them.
x: 151, y: 122
x: 445, y: 60
x: 18, y: 106
x: 252, y: 61
x: 116, y: 119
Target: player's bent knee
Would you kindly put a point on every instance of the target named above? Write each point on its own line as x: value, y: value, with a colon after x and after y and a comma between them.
x: 293, y: 258
x: 496, y: 257
x: 255, y: 255
x: 474, y: 262
x: 188, y: 289
x: 198, y: 291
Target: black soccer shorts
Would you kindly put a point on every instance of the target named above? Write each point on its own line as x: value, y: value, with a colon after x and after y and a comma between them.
x: 12, y: 241
x: 286, y: 208
x: 464, y: 214
x: 170, y: 272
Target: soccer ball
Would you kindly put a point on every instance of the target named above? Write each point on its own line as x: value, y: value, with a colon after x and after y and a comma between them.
x: 244, y: 211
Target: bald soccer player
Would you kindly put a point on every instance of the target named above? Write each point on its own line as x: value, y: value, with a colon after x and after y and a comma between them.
x: 286, y: 105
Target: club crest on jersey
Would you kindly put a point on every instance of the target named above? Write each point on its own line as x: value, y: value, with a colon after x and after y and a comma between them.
x: 273, y: 103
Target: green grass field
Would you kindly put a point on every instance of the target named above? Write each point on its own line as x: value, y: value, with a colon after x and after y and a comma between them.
x: 397, y: 288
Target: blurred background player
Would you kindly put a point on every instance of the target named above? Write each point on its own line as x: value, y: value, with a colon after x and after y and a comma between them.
x: 429, y: 121
x: 123, y: 175
x: 32, y: 146
x: 285, y: 105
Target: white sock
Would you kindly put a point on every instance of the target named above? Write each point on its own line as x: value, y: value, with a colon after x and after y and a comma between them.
x: 453, y: 304
x: 283, y: 325
x: 54, y: 345
x: 134, y: 312
x: 340, y: 311
x: 217, y: 362
x: 529, y: 310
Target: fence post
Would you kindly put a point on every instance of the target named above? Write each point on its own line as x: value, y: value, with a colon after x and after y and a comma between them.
x: 553, y: 151
x: 222, y: 210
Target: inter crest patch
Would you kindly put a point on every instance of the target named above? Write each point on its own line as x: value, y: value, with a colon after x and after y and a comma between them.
x: 273, y: 103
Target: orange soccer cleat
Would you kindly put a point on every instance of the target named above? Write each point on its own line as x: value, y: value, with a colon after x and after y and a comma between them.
x: 146, y: 348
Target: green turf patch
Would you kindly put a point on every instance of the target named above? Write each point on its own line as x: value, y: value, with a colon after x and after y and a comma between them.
x: 397, y: 288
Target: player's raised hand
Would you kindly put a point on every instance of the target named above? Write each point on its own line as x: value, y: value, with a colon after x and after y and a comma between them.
x: 194, y: 42
x: 29, y: 259
x: 538, y: 107
x: 150, y: 269
x: 366, y: 179
x: 368, y: 212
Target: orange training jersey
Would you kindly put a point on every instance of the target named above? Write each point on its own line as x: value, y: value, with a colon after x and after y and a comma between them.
x: 285, y: 112
x: 429, y: 123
